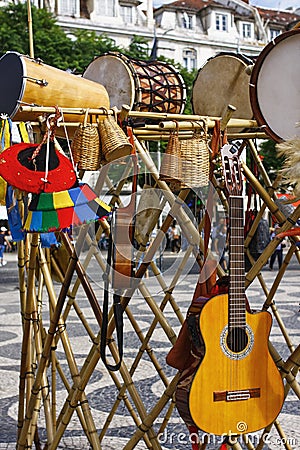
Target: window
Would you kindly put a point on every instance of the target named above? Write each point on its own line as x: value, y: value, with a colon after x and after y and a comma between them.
x: 190, y: 59
x: 105, y: 7
x: 68, y: 7
x: 127, y: 13
x: 274, y: 33
x: 221, y: 22
x: 246, y: 30
x: 187, y: 21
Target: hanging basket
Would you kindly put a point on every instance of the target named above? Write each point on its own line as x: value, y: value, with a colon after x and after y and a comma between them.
x: 86, y: 146
x: 114, y: 142
x: 195, y: 159
x: 171, y: 165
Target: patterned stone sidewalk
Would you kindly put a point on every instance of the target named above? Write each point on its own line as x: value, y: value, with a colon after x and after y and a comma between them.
x: 101, y: 390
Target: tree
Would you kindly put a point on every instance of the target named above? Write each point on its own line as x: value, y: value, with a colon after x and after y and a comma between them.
x: 271, y: 161
x: 51, y: 44
x: 86, y: 45
x: 188, y: 78
x: 138, y: 48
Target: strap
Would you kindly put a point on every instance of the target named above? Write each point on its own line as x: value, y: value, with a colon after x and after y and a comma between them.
x: 118, y: 315
x: 194, y: 437
x: 23, y: 132
x: 6, y: 133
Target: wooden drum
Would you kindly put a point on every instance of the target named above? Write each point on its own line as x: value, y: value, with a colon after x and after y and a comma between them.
x: 223, y: 80
x: 275, y: 87
x: 149, y: 86
x: 25, y: 81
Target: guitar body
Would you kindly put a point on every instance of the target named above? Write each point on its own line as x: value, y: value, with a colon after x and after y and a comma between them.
x: 123, y: 237
x: 123, y: 232
x: 235, y: 391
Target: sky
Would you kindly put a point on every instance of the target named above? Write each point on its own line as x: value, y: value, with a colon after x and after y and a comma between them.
x: 277, y: 4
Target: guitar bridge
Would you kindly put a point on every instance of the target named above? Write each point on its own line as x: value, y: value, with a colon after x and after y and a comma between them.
x: 238, y: 395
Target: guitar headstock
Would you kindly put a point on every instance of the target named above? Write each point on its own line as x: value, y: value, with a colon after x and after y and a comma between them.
x: 232, y: 170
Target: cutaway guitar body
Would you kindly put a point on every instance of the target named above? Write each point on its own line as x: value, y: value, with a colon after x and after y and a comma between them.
x: 237, y: 388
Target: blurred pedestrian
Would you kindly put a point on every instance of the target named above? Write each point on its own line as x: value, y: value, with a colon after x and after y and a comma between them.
x: 278, y: 252
x: 175, y: 237
x: 3, y: 241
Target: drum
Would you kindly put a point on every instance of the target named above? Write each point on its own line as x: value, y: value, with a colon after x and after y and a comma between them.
x: 25, y: 81
x: 275, y: 87
x: 223, y: 80
x: 151, y: 86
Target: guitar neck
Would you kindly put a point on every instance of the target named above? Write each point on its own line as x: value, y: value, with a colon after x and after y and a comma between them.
x: 237, y: 298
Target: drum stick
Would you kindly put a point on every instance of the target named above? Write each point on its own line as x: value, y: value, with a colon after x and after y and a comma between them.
x: 161, y: 137
x: 249, y: 135
x: 232, y: 123
x: 226, y: 116
x: 182, y: 125
x: 30, y: 31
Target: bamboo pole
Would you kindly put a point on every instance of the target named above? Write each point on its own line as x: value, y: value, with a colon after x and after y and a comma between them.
x: 47, y: 348
x: 232, y: 123
x: 26, y: 373
x: 67, y: 412
x: 148, y: 420
x: 30, y: 31
x: 88, y: 423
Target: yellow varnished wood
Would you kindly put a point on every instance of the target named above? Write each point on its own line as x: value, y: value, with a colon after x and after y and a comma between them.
x: 218, y: 373
x: 61, y: 88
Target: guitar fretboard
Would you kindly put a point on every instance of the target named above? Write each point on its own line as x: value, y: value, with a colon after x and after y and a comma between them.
x: 237, y: 299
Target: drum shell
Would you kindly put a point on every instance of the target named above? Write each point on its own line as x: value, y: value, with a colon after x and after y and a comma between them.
x: 223, y: 80
x: 274, y: 87
x: 149, y: 86
x: 25, y: 81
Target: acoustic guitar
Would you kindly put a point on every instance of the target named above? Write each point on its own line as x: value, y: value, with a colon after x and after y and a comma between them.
x: 237, y: 388
x: 123, y: 238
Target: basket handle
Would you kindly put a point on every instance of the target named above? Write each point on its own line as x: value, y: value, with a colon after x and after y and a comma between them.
x: 86, y: 117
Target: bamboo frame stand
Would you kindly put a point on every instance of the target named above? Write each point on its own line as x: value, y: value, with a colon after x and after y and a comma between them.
x: 42, y: 369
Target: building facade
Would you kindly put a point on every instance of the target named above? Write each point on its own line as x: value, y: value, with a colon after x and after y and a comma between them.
x: 189, y: 31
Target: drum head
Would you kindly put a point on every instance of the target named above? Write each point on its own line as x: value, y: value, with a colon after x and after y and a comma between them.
x: 223, y: 81
x: 275, y: 87
x: 113, y: 72
x: 11, y: 83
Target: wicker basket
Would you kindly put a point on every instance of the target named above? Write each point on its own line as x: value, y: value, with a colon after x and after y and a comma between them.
x: 114, y: 142
x: 86, y: 146
x: 195, y: 159
x: 171, y: 165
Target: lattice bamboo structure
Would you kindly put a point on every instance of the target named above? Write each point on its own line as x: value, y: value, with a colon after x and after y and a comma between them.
x: 65, y: 287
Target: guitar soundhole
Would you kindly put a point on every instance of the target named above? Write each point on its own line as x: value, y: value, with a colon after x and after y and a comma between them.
x: 237, y: 339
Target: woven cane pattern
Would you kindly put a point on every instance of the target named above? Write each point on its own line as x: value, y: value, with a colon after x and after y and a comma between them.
x: 86, y: 146
x: 114, y: 142
x: 195, y: 160
x: 171, y: 165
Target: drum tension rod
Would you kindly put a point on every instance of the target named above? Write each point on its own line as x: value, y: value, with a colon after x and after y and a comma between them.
x: 37, y: 81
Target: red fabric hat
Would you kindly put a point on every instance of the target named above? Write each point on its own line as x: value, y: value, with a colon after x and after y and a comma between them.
x: 24, y: 167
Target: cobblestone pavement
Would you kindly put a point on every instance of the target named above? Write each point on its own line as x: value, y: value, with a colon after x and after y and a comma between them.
x: 101, y: 391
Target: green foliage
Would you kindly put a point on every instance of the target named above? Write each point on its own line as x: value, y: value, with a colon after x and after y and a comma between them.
x: 49, y: 40
x: 86, y: 45
x: 270, y: 158
x: 188, y: 78
x: 51, y: 44
x: 138, y: 48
